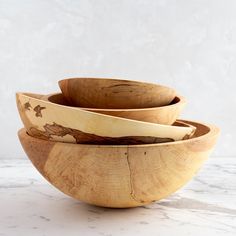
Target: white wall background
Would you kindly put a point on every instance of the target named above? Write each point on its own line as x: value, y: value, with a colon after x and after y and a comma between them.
x: 186, y: 44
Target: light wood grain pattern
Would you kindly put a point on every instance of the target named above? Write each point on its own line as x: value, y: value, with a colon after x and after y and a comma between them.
x: 166, y: 115
x: 114, y: 93
x: 120, y: 176
x: 48, y: 120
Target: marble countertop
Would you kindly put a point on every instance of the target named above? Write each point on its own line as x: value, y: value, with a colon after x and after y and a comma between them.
x: 31, y: 206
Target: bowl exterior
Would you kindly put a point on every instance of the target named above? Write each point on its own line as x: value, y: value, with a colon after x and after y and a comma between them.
x: 50, y: 121
x: 113, y: 93
x: 118, y: 176
x: 165, y: 115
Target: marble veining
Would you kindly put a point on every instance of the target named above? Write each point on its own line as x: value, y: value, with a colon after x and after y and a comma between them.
x: 31, y: 206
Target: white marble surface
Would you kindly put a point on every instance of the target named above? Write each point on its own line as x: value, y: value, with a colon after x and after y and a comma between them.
x: 30, y: 206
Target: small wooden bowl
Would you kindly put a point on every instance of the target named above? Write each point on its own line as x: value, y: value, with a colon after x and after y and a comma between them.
x: 165, y: 115
x: 115, y: 94
x: 120, y: 176
x: 51, y: 121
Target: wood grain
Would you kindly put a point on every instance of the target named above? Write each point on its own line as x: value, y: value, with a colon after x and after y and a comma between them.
x: 114, y: 93
x: 120, y: 176
x: 48, y: 120
x: 166, y: 115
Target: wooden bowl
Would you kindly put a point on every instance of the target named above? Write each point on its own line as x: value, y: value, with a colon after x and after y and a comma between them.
x: 115, y: 94
x: 47, y: 120
x: 165, y: 115
x: 120, y: 176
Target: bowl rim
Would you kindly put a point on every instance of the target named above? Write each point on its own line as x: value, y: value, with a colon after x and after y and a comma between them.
x: 38, y: 97
x: 213, y: 130
x: 181, y: 101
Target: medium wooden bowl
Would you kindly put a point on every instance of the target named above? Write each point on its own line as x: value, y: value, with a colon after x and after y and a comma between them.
x: 47, y: 120
x: 115, y: 94
x: 120, y: 176
x: 165, y: 115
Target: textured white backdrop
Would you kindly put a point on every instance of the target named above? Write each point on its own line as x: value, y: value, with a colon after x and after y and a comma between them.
x: 186, y: 44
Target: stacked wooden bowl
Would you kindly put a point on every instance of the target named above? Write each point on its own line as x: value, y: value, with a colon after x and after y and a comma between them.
x: 113, y: 143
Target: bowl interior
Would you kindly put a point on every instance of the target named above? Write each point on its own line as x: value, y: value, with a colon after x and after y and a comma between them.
x: 201, y: 129
x: 58, y: 98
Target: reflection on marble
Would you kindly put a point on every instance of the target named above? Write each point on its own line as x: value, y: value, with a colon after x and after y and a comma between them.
x: 30, y: 206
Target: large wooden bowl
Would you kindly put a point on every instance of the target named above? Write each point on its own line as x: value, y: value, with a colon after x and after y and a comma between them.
x: 120, y: 176
x: 115, y: 94
x: 51, y: 121
x: 166, y: 115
